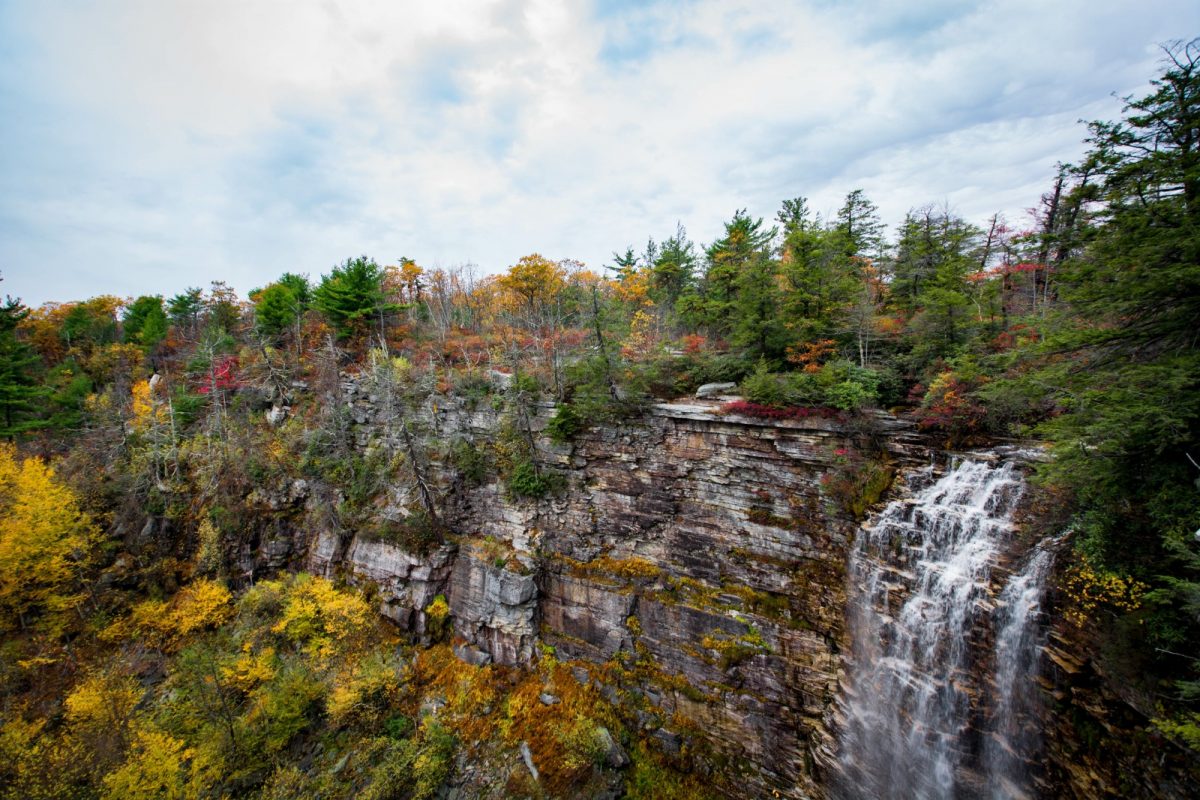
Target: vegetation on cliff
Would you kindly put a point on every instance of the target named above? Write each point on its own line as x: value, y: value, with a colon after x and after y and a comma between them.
x: 142, y: 658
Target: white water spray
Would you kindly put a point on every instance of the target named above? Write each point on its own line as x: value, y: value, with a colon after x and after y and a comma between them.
x: 921, y: 609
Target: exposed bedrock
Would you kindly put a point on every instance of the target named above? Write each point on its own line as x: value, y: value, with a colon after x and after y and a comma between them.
x: 693, y: 563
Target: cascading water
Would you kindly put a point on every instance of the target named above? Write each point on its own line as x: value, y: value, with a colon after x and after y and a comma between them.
x: 921, y: 609
x: 1013, y: 736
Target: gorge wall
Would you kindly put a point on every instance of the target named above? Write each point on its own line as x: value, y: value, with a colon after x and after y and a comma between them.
x: 693, y: 565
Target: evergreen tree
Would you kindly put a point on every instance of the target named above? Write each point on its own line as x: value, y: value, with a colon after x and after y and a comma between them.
x: 184, y: 309
x: 1128, y: 361
x: 673, y: 270
x: 859, y: 226
x: 145, y: 322
x: 822, y: 280
x: 21, y: 395
x: 744, y: 242
x: 758, y: 323
x: 351, y: 296
x: 276, y: 308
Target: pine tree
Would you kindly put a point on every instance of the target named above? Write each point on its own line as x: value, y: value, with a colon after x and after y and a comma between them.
x: 21, y: 394
x: 1127, y: 359
x: 351, y: 296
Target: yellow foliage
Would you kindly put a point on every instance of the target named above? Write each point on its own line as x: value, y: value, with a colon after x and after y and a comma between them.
x: 564, y: 738
x: 17, y: 737
x: 467, y: 689
x: 438, y: 609
x: 1089, y: 588
x: 103, y: 703
x: 208, y: 554
x: 368, y: 688
x: 322, y: 619
x: 155, y: 770
x: 45, y: 541
x: 148, y: 410
x: 167, y: 625
x: 112, y: 361
x: 251, y: 669
x: 533, y: 281
x: 642, y: 335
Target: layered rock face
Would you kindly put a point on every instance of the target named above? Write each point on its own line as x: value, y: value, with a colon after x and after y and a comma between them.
x: 693, y: 564
x: 694, y: 560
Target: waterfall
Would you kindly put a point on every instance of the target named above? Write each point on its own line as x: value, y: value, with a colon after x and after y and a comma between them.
x: 1013, y: 735
x: 921, y: 610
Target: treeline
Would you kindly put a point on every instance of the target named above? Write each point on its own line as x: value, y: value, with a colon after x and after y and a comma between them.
x: 1080, y: 328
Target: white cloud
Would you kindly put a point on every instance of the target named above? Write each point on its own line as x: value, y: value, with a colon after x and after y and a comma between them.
x: 157, y: 145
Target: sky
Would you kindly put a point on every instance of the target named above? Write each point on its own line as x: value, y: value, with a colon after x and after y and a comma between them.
x: 150, y: 146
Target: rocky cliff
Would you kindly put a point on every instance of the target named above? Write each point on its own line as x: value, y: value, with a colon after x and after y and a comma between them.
x: 693, y: 565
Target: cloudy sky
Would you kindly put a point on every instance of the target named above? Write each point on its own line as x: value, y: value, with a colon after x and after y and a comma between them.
x: 149, y: 146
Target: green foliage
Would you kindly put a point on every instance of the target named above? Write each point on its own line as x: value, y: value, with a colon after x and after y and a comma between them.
x: 276, y: 308
x: 416, y: 533
x: 840, y: 384
x: 525, y: 480
x: 145, y: 322
x: 471, y: 461
x: 565, y: 423
x: 351, y: 296
x: 856, y: 483
x: 1125, y: 361
x: 744, y: 247
x: 20, y: 389
x: 184, y: 309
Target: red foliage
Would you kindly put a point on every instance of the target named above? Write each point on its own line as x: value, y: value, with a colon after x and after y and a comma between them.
x: 693, y: 343
x: 222, y: 377
x: 748, y: 409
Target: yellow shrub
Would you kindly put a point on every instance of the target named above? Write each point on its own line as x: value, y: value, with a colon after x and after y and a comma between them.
x: 323, y: 620
x: 1090, y: 588
x: 45, y: 542
x: 167, y: 625
x: 155, y: 770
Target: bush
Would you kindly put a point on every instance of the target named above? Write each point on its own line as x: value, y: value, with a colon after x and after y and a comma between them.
x: 841, y: 385
x: 565, y: 424
x: 524, y: 480
x: 473, y: 388
x: 471, y: 460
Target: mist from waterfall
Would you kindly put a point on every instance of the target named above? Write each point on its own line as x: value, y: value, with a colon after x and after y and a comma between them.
x: 921, y: 611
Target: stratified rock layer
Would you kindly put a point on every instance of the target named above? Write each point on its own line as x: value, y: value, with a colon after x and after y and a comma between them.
x: 693, y: 564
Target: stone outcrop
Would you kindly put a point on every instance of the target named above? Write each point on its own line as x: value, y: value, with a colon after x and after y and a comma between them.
x: 694, y: 563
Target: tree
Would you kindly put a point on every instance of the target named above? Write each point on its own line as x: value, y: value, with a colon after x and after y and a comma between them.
x: 184, y: 310
x: 20, y: 391
x: 936, y: 252
x: 351, y: 296
x: 759, y: 326
x: 224, y: 311
x: 145, y: 322
x: 673, y: 270
x: 533, y: 296
x: 91, y: 324
x: 45, y: 542
x: 744, y: 242
x: 859, y: 225
x: 1127, y: 358
x: 276, y: 308
x: 821, y: 279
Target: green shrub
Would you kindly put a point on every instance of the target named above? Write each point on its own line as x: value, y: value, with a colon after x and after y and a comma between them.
x: 524, y: 480
x: 565, y: 424
x: 471, y: 460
